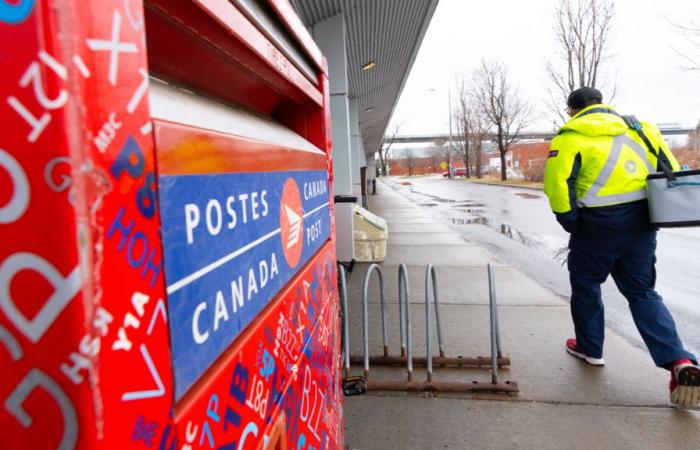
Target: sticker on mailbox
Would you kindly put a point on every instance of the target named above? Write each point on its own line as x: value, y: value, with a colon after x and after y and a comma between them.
x: 231, y: 242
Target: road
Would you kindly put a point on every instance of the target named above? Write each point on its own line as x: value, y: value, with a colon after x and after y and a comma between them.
x: 517, y: 225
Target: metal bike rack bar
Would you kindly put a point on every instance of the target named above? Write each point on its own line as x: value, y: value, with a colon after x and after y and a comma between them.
x: 344, y: 305
x: 509, y: 387
x: 352, y: 385
x: 432, y: 277
x: 493, y: 315
x: 475, y: 362
x: 402, y: 318
x: 404, y: 298
x: 407, y: 358
x: 429, y: 286
x: 365, y: 314
x: 441, y: 360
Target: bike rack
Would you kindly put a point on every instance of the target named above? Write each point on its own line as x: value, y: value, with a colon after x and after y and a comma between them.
x: 406, y: 358
x: 352, y: 385
x: 404, y: 298
x: 493, y: 316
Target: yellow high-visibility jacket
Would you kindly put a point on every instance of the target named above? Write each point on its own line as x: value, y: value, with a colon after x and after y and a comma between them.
x: 597, y: 161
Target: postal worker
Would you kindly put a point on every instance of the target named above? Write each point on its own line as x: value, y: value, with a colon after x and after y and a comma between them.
x: 595, y: 180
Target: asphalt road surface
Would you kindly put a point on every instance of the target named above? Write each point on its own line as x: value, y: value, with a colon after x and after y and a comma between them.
x: 517, y: 225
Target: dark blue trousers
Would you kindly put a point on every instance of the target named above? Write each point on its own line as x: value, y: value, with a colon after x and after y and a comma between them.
x: 630, y: 260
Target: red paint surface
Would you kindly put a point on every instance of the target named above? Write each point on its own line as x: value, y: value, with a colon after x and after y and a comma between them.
x: 242, y: 66
x: 185, y: 149
x: 293, y: 23
x: 77, y: 198
x: 279, y: 366
x: 73, y: 201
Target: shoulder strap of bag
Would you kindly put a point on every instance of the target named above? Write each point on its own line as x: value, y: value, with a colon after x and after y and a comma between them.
x: 633, y: 123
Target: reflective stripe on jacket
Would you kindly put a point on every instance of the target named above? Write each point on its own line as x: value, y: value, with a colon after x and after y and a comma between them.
x: 596, y: 160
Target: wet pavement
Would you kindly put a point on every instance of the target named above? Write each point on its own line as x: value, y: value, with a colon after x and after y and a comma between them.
x: 517, y: 225
x: 562, y: 403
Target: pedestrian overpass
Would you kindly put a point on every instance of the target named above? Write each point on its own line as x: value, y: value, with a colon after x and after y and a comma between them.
x: 526, y: 136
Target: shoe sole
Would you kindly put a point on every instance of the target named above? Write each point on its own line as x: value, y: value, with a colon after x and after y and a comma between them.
x: 598, y: 362
x: 687, y: 393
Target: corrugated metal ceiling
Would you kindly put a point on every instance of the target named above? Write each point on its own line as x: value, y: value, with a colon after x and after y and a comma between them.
x: 388, y: 32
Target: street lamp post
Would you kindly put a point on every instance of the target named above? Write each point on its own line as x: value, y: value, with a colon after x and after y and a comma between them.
x: 449, y: 122
x: 449, y: 125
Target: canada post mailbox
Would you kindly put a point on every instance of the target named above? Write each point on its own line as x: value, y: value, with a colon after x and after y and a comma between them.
x: 167, y: 268
x: 234, y: 234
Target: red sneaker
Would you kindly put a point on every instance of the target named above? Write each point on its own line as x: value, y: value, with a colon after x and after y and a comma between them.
x: 685, y: 384
x: 571, y: 349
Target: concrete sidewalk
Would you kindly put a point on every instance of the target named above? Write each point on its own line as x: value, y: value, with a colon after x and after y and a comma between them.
x: 563, y: 403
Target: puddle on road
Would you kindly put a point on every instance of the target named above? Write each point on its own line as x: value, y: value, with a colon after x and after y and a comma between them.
x: 527, y: 195
x: 470, y: 221
x: 468, y: 205
x: 465, y: 212
x: 532, y: 241
x: 452, y: 202
x: 473, y: 211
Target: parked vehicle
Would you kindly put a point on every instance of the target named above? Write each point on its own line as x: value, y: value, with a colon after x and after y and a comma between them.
x: 457, y: 173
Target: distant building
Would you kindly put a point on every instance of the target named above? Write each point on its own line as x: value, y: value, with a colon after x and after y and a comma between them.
x: 529, y: 160
x: 521, y: 159
x: 525, y: 155
x: 495, y: 161
x: 420, y: 166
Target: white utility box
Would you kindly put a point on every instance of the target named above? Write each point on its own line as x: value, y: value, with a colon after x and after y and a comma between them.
x: 371, y: 233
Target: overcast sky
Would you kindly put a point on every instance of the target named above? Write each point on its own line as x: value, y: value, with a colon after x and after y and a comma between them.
x: 651, y: 83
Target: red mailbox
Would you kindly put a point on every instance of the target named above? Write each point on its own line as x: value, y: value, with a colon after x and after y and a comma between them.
x: 167, y: 268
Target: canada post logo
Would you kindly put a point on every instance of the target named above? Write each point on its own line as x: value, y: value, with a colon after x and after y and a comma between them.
x: 231, y: 243
x: 291, y: 223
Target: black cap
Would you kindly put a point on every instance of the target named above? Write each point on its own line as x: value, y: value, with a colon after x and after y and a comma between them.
x: 579, y: 98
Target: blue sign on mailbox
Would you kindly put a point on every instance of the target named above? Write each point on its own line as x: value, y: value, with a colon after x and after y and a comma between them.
x: 231, y: 242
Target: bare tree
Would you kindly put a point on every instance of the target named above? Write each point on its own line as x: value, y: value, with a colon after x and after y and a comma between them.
x: 691, y: 34
x: 437, y: 153
x: 434, y: 160
x: 463, y: 119
x: 472, y: 126
x: 691, y: 57
x: 506, y: 112
x: 385, y: 148
x: 409, y: 159
x: 694, y: 139
x: 582, y: 29
x: 444, y: 152
x: 478, y: 144
x: 688, y: 154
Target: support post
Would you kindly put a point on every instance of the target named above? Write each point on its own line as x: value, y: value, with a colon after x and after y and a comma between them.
x: 330, y: 35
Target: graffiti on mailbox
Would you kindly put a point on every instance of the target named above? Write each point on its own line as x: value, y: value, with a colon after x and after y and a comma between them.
x: 231, y: 241
x: 280, y: 370
x: 82, y: 292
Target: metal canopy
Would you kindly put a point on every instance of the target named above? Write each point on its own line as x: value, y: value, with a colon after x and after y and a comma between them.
x: 386, y: 32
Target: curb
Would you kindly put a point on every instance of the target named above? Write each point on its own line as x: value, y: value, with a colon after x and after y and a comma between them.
x: 505, y: 185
